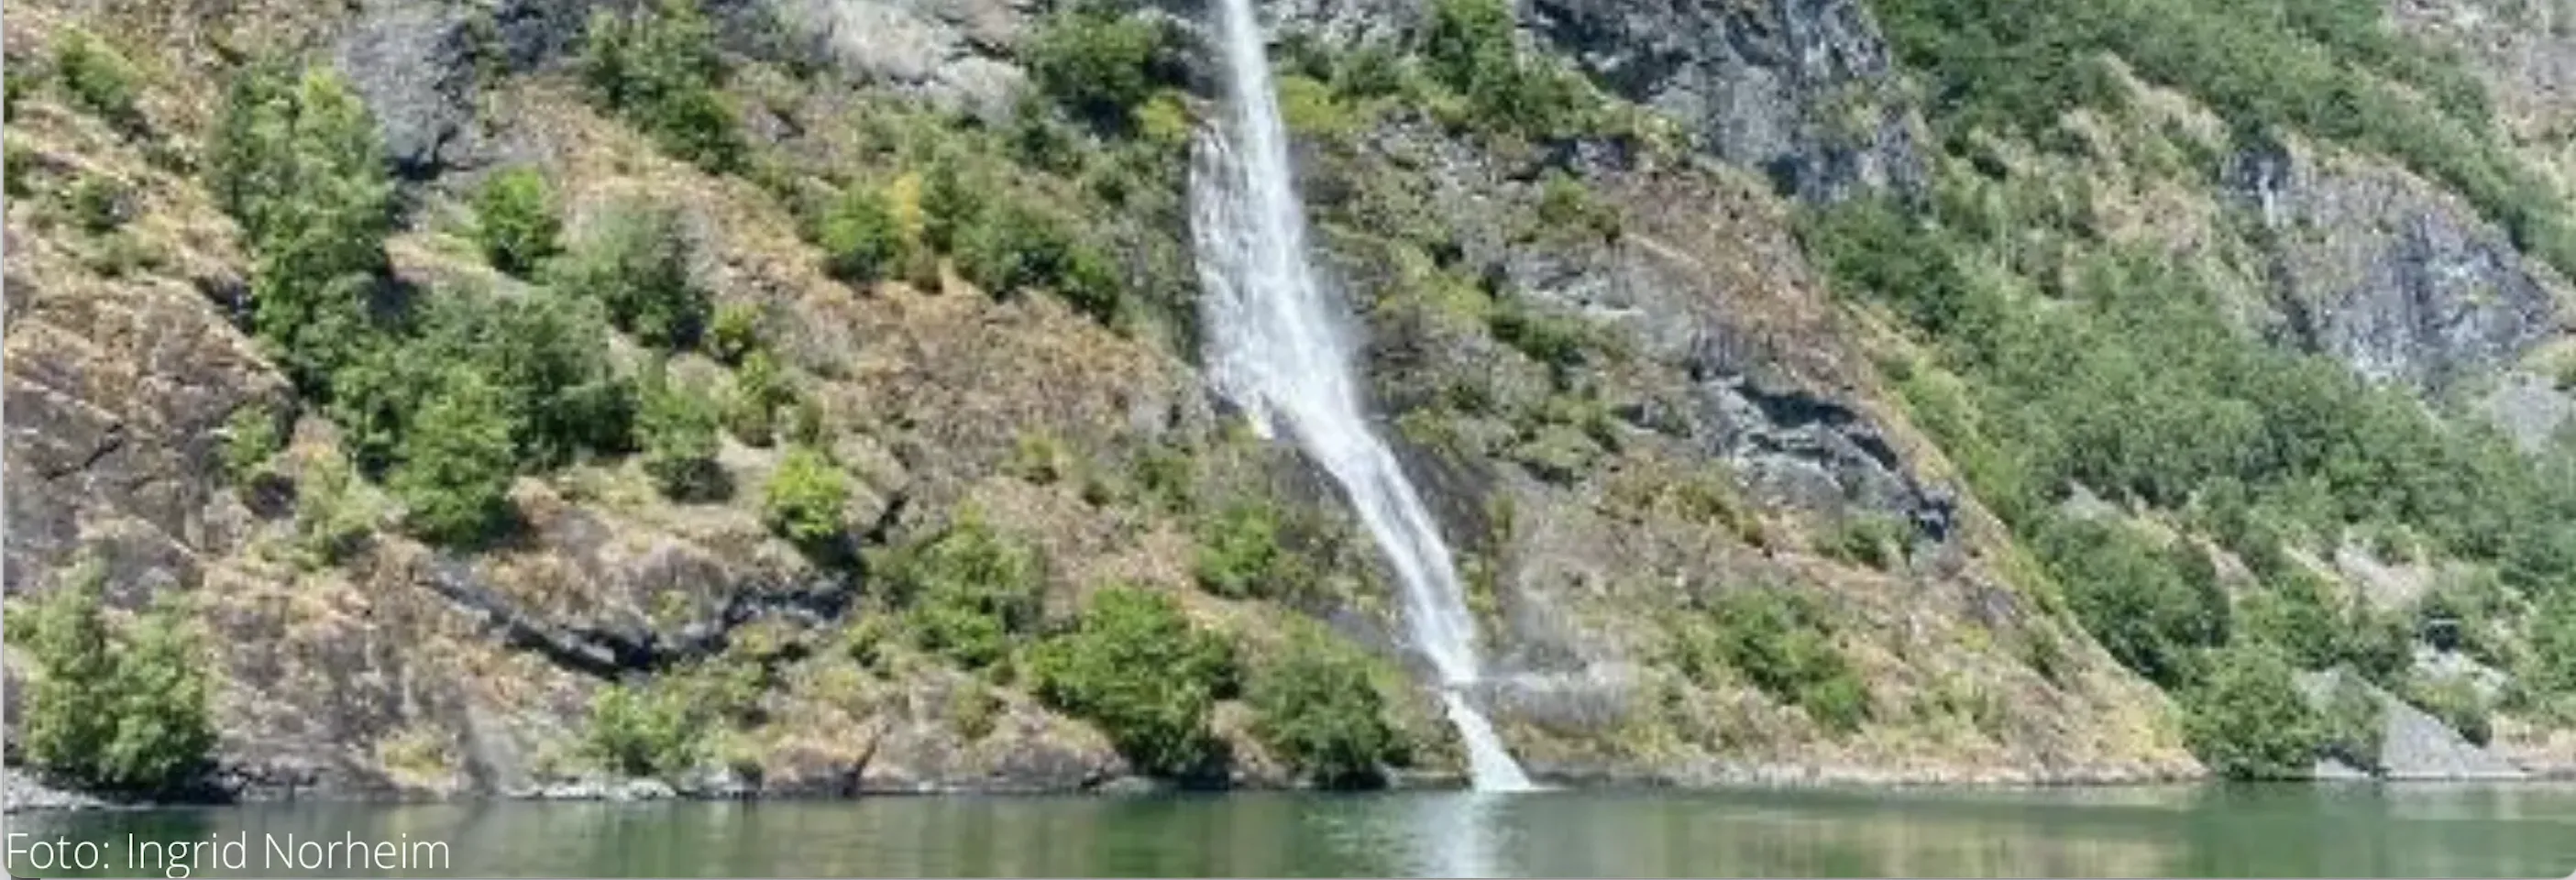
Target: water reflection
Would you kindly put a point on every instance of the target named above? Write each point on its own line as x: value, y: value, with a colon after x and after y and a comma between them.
x: 2336, y: 831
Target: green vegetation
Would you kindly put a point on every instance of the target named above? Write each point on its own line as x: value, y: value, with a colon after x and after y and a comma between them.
x: 861, y: 241
x: 759, y: 390
x: 2457, y: 702
x: 1868, y: 538
x: 99, y: 80
x: 1102, y: 63
x: 252, y: 437
x: 1781, y: 642
x: 804, y: 499
x: 515, y: 221
x: 657, y: 66
x: 1011, y: 247
x: 1320, y: 710
x: 2355, y: 725
x: 1468, y: 46
x: 735, y: 333
x: 99, y: 204
x: 118, y: 709
x: 295, y: 160
x: 1138, y: 668
x: 677, y: 425
x: 334, y: 518
x: 1239, y: 556
x: 971, y: 592
x: 457, y: 462
x: 2155, y: 608
x: 646, y: 731
x: 635, y: 260
x: 2249, y: 721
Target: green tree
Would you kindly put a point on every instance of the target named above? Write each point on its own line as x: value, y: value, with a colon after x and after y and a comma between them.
x: 115, y: 711
x: 1239, y: 556
x: 677, y: 426
x: 1782, y: 643
x: 658, y: 67
x: 759, y: 390
x: 862, y: 242
x: 100, y: 80
x: 970, y: 591
x: 2248, y: 719
x: 636, y: 260
x: 804, y: 499
x: 1138, y: 668
x: 296, y: 161
x: 457, y: 462
x: 252, y: 436
x: 645, y: 731
x: 1320, y: 710
x: 735, y: 334
x: 2154, y: 608
x: 515, y: 221
x: 1099, y: 64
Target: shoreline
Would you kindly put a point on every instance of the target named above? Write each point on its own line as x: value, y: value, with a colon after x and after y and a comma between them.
x: 26, y: 795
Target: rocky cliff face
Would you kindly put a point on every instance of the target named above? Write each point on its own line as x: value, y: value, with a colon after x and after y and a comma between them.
x: 1629, y: 405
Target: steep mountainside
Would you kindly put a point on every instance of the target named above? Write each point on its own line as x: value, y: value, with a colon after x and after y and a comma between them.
x: 804, y: 396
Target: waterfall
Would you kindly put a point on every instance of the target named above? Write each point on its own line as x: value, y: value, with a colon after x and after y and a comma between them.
x: 1277, y: 348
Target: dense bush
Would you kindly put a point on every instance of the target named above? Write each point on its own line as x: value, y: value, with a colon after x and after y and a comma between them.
x: 1780, y: 642
x: 457, y: 461
x: 1876, y: 540
x: 1320, y: 710
x: 295, y: 160
x: 645, y: 731
x: 657, y: 66
x: 2355, y: 725
x: 252, y: 436
x: 1239, y: 556
x: 971, y: 591
x: 735, y: 332
x: 1099, y: 63
x: 804, y: 498
x: 2457, y: 702
x: 1138, y: 668
x: 2155, y: 608
x: 100, y: 80
x: 635, y: 260
x: 677, y: 428
x: 759, y: 390
x: 1469, y: 47
x: 1011, y: 248
x: 121, y: 711
x: 861, y: 241
x: 333, y: 515
x: 515, y: 221
x: 2248, y: 719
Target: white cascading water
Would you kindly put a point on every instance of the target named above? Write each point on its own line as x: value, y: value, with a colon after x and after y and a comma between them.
x: 1277, y: 349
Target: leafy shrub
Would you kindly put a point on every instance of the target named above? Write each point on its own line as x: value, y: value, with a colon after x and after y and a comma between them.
x: 804, y: 499
x: 333, y: 517
x: 1099, y: 64
x: 1012, y: 248
x: 1565, y: 205
x: 2248, y: 719
x: 678, y: 428
x: 515, y: 221
x: 121, y: 711
x: 296, y: 161
x: 1038, y: 457
x: 252, y: 436
x: 457, y: 462
x: 1141, y: 671
x: 2154, y: 608
x: 971, y: 592
x: 2354, y: 725
x: 635, y: 260
x: 645, y: 731
x: 861, y: 239
x: 99, y: 204
x: 1872, y: 539
x: 758, y: 391
x: 1782, y: 643
x: 100, y: 80
x: 1469, y: 47
x: 950, y: 202
x: 735, y: 333
x: 657, y: 66
x: 1239, y: 556
x: 1320, y: 710
x: 2457, y: 702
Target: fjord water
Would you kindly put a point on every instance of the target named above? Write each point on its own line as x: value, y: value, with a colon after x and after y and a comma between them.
x: 1277, y: 347
x: 2526, y: 830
